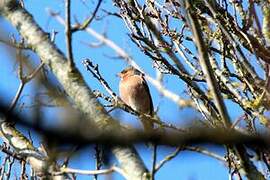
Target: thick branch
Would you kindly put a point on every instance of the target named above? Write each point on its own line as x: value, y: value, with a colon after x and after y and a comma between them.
x: 25, y: 149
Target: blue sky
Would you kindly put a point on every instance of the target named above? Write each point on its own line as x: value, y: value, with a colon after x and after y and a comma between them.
x: 188, y: 165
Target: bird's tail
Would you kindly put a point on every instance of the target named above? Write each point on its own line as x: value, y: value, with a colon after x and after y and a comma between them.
x: 148, y: 124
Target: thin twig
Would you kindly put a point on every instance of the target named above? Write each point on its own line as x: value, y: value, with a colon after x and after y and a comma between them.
x: 91, y: 172
x: 237, y: 121
x: 17, y: 96
x: 23, y: 170
x: 23, y: 80
x: 98, y: 159
x: 88, y: 21
x: 69, y: 36
x: 205, y: 152
x: 9, y: 168
x: 69, y: 155
x: 168, y: 158
x: 86, y: 172
x: 154, y: 160
x: 95, y: 72
x: 3, y: 167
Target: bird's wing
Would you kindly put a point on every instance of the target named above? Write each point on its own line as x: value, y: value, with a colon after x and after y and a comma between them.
x: 150, y: 98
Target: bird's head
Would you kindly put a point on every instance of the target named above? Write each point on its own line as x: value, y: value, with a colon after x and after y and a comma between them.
x: 129, y: 71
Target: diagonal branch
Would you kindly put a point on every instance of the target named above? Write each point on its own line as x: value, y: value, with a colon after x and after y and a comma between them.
x: 206, y: 66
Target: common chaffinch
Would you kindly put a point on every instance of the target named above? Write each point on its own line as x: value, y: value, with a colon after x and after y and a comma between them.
x: 134, y: 91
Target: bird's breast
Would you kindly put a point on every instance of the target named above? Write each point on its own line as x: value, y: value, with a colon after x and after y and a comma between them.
x: 134, y: 93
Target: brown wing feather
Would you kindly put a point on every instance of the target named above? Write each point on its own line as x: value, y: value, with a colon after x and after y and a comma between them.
x: 150, y: 98
x: 147, y: 123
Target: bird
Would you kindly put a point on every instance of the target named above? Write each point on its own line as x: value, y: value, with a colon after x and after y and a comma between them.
x: 134, y: 92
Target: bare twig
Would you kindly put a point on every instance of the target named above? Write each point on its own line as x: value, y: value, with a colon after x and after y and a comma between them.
x: 205, y: 152
x: 17, y: 96
x: 95, y: 72
x: 154, y: 160
x: 9, y: 167
x: 3, y: 166
x: 89, y: 172
x: 98, y: 159
x: 23, y: 171
x: 237, y: 121
x: 168, y: 158
x: 69, y: 36
x: 87, y: 22
x: 23, y: 80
